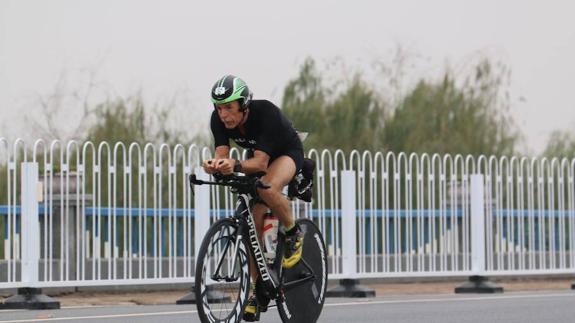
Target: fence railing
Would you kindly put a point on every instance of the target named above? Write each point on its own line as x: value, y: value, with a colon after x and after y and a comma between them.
x: 78, y: 214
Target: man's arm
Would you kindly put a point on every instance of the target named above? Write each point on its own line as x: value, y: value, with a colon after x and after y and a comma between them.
x: 212, y: 165
x: 222, y: 152
x: 258, y: 163
x: 222, y: 143
x: 255, y: 164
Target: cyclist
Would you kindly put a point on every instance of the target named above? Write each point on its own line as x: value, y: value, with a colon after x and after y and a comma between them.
x: 260, y: 126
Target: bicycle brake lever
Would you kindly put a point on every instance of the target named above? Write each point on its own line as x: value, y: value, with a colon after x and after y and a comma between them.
x: 194, y: 180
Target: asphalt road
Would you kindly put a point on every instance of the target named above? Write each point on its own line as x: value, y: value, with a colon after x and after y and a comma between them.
x: 505, y: 308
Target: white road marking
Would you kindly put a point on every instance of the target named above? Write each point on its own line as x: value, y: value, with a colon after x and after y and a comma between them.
x: 453, y: 299
x: 368, y: 302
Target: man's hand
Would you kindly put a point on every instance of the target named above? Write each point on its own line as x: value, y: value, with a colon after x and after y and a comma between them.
x: 225, y: 166
x: 210, y: 165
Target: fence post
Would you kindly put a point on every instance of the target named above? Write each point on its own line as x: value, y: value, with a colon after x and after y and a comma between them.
x: 477, y: 225
x: 30, y: 297
x: 201, y: 223
x: 478, y: 283
x: 349, y: 232
x: 202, y: 209
x: 30, y: 225
x: 349, y: 286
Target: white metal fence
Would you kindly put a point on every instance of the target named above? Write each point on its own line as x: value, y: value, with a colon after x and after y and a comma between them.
x: 110, y: 214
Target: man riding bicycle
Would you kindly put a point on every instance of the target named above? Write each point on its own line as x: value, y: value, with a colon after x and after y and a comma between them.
x: 260, y: 126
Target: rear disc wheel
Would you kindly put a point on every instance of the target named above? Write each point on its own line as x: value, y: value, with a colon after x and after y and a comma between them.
x: 304, y: 303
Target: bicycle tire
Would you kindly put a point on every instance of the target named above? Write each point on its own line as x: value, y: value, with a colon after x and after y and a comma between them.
x: 219, y: 300
x: 304, y: 303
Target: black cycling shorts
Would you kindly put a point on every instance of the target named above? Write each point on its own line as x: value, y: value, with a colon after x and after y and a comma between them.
x: 296, y: 155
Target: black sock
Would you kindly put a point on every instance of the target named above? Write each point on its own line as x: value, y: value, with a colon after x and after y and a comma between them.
x: 293, y: 230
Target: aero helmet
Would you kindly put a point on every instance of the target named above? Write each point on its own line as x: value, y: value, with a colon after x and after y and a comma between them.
x: 231, y: 88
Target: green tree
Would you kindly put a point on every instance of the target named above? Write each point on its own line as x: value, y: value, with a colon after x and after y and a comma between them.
x: 443, y: 117
x: 128, y: 120
x: 347, y: 119
x: 560, y: 144
x: 304, y: 102
x: 353, y: 120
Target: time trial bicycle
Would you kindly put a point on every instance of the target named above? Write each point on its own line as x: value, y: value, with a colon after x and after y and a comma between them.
x: 222, y: 277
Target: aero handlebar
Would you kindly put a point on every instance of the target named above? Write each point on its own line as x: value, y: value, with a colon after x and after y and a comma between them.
x: 238, y: 183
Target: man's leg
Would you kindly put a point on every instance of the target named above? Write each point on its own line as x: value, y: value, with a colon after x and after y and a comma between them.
x: 279, y: 174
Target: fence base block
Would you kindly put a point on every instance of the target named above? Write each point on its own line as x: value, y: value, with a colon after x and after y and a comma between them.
x: 478, y: 285
x: 350, y: 288
x: 214, y: 296
x: 30, y: 299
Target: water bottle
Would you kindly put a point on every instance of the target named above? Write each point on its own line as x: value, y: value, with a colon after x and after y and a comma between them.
x: 270, y: 236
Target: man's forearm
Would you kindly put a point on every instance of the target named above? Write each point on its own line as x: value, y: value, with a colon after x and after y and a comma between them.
x: 222, y: 152
x: 253, y: 165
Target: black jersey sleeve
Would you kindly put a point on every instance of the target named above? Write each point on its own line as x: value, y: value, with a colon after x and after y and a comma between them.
x: 268, y: 140
x: 219, y: 131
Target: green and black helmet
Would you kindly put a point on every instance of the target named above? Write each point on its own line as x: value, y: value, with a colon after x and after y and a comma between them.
x: 231, y: 88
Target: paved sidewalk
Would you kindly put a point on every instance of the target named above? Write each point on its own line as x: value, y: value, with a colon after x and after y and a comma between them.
x: 382, y: 289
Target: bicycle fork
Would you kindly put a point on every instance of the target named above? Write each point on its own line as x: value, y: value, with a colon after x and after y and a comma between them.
x: 216, y: 275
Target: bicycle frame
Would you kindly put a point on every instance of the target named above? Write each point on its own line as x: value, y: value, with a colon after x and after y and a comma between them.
x: 242, y: 207
x: 244, y: 217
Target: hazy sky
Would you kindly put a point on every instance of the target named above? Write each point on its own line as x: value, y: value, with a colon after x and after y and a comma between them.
x: 166, y: 47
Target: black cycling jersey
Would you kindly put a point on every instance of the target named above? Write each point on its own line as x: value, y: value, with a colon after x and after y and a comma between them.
x: 266, y: 129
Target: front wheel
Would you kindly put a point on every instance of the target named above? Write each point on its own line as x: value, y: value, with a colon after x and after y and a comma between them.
x: 222, y: 274
x: 304, y: 303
